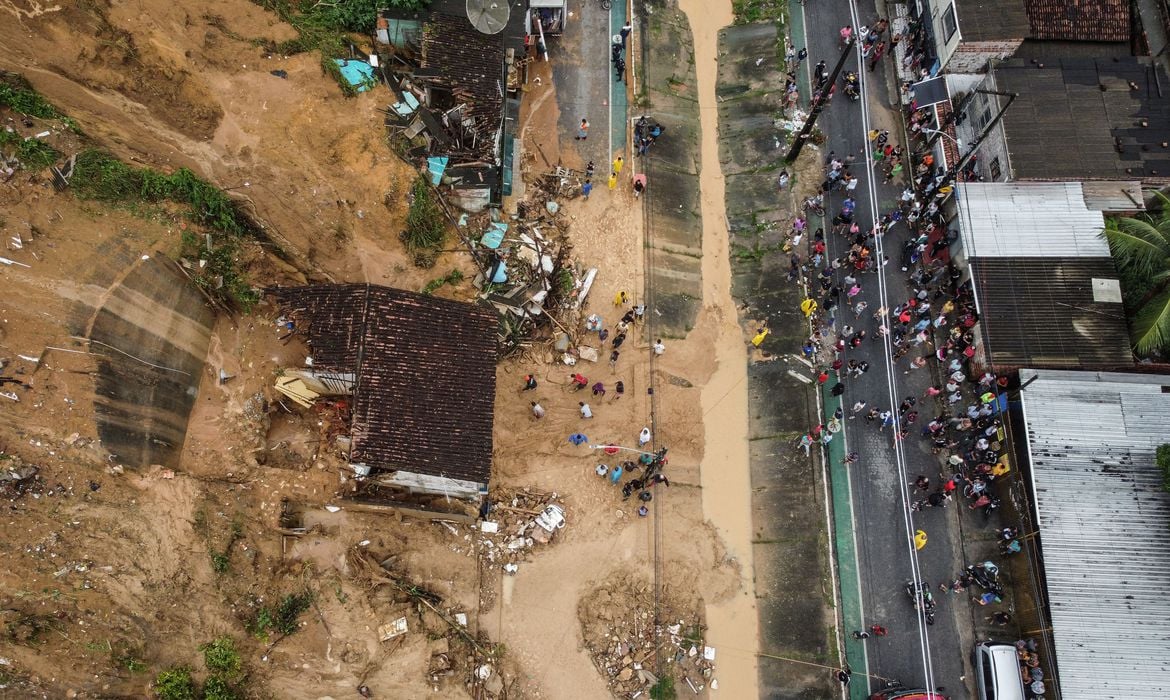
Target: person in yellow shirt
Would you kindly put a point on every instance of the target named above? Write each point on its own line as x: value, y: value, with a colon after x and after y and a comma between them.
x: 612, y: 180
x: 919, y: 539
x: 808, y: 306
x: 1000, y: 469
x: 617, y: 164
x: 760, y: 336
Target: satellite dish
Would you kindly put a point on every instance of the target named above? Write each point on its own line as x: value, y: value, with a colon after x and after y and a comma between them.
x: 488, y: 16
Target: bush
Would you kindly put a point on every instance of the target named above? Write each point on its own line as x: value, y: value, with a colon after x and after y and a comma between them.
x: 425, y: 224
x: 218, y: 688
x: 221, y: 657
x: 176, y: 684
x: 284, y: 619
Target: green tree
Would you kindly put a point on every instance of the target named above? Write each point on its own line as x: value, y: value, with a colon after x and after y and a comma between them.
x: 1162, y: 459
x: 1141, y: 249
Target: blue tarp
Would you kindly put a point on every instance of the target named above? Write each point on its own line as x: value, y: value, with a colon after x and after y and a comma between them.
x: 357, y: 73
x: 406, y: 107
x: 436, y: 166
x: 494, y: 236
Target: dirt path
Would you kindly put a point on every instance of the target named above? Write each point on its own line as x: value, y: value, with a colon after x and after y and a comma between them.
x: 726, y: 478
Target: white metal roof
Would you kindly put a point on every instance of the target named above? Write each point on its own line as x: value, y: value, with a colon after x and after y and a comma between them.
x: 1103, y: 520
x: 1029, y: 220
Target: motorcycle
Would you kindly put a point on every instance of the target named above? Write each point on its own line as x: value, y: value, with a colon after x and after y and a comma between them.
x: 851, y: 87
x: 922, y: 598
x: 986, y: 575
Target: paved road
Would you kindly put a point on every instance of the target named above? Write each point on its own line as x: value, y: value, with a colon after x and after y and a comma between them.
x: 879, y: 484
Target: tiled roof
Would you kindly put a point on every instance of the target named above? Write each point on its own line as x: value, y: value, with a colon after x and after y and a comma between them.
x: 991, y: 20
x: 1082, y: 119
x: 1040, y: 312
x: 1079, y: 20
x: 426, y: 371
x: 472, y: 65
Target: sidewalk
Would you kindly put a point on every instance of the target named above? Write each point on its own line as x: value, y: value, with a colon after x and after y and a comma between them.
x: 790, y: 533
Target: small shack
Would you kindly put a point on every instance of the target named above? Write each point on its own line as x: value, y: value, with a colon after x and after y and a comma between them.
x: 421, y: 374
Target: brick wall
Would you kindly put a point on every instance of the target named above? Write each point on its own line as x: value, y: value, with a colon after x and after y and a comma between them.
x: 972, y: 56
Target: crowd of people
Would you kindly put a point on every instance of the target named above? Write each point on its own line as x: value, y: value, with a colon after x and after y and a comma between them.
x: 930, y: 330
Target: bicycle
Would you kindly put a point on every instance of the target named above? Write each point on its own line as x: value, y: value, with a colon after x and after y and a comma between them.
x: 812, y: 205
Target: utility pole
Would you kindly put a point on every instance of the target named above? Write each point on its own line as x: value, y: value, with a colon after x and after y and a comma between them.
x: 818, y: 104
x: 953, y: 172
x: 952, y: 118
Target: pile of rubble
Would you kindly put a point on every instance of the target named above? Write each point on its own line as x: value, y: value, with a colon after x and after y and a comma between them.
x: 617, y: 620
x: 18, y: 479
x: 453, y: 651
x: 517, y: 522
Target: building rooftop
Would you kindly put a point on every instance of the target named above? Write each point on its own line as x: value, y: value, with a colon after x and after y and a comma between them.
x: 1046, y: 312
x: 471, y: 64
x: 1103, y: 517
x: 1082, y: 119
x: 992, y: 20
x: 1029, y: 219
x: 1079, y: 20
x: 426, y: 374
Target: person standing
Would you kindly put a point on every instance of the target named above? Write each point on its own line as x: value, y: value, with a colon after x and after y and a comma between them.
x: 784, y: 178
x: 586, y: 188
x: 583, y: 129
x: 658, y: 347
x: 639, y: 184
x: 612, y: 181
x: 617, y: 165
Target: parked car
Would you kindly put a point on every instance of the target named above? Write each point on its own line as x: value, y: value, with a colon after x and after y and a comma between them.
x: 997, y: 672
x: 906, y: 694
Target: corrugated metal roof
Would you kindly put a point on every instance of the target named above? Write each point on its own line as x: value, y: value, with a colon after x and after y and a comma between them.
x: 1114, y: 195
x: 1041, y: 311
x: 1103, y: 520
x: 1032, y: 219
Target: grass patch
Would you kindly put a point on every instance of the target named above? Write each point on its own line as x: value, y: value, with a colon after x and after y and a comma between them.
x: 663, y: 689
x: 453, y: 277
x: 17, y: 94
x: 751, y: 11
x: 101, y: 177
x: 33, y: 154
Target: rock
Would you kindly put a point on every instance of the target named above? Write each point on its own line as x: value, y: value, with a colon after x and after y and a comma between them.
x: 626, y: 674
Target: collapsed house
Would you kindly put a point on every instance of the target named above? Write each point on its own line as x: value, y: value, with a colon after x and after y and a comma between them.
x: 419, y: 372
x: 456, y: 71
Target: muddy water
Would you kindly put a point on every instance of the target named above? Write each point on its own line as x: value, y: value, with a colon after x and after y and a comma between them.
x: 725, y: 475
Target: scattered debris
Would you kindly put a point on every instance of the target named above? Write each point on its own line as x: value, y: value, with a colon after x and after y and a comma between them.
x: 620, y: 633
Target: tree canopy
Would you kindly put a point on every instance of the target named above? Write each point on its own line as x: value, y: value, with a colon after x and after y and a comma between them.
x: 1141, y: 248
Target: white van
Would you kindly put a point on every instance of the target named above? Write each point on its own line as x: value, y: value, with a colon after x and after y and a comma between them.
x: 997, y: 670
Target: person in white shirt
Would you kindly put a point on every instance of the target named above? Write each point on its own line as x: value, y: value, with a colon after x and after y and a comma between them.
x: 586, y: 412
x: 659, y: 348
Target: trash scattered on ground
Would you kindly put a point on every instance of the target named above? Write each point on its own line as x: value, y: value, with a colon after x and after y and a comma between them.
x: 617, y: 621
